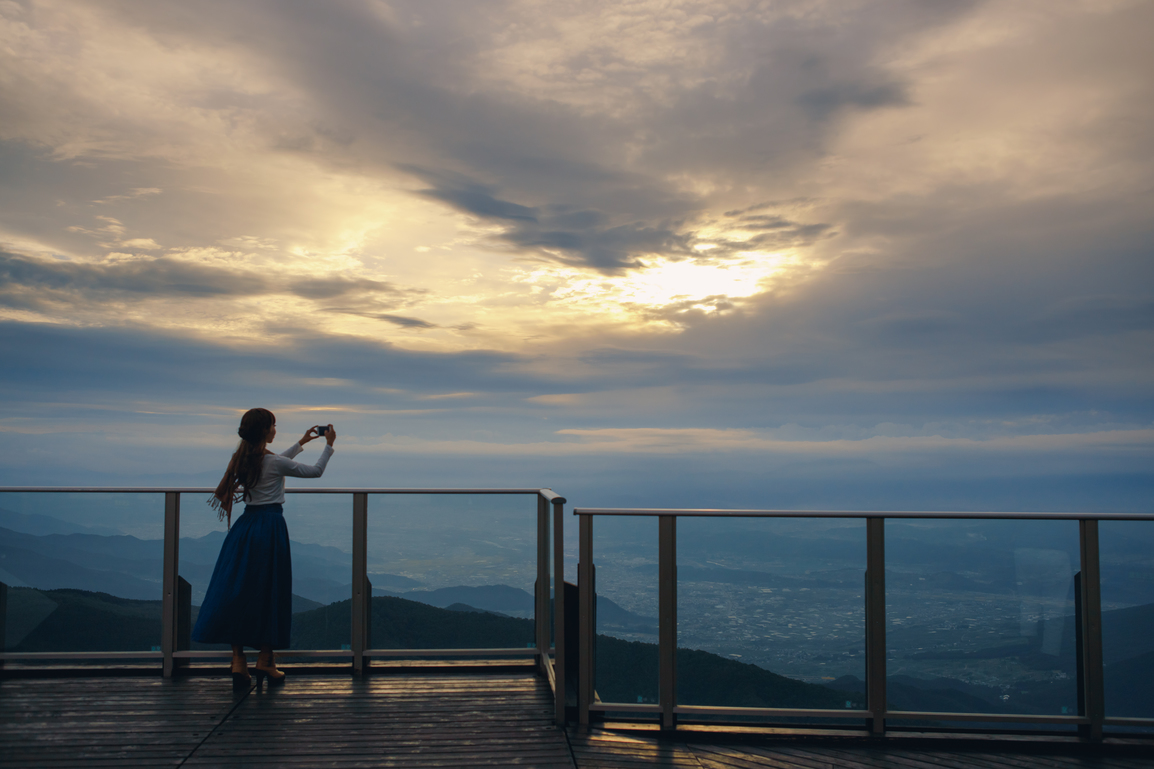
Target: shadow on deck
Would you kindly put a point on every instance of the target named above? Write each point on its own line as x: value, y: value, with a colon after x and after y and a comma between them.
x: 424, y: 718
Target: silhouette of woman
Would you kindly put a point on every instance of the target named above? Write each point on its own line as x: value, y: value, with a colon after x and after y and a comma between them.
x: 249, y: 599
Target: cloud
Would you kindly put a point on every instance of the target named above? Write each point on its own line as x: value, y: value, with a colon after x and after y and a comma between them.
x: 400, y: 320
x: 690, y: 441
x: 476, y: 199
x: 331, y: 287
x: 22, y: 276
x: 577, y: 236
x: 116, y: 362
x: 137, y: 192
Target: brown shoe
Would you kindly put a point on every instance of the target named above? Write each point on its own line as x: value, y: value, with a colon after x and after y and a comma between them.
x: 240, y: 677
x: 266, y: 666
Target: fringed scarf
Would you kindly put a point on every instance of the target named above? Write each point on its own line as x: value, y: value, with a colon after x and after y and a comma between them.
x: 228, y: 492
x: 243, y: 474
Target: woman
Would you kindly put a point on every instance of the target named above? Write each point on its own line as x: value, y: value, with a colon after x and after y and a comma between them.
x: 249, y: 599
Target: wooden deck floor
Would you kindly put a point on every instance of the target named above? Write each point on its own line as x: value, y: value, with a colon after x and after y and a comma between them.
x: 415, y: 719
x: 628, y: 749
x: 312, y: 721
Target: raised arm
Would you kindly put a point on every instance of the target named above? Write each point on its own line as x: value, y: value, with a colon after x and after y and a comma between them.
x: 285, y: 466
x: 311, y: 434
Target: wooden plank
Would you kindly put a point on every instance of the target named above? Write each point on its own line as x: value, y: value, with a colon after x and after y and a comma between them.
x: 412, y: 721
x: 608, y: 749
x: 770, y: 758
x: 858, y: 757
x: 729, y: 756
x: 429, y: 720
x: 105, y: 722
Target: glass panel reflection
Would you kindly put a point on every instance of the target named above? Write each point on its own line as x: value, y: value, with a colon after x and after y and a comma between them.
x: 981, y: 616
x: 452, y: 571
x: 625, y: 556
x: 1127, y: 558
x: 771, y: 612
x: 83, y: 570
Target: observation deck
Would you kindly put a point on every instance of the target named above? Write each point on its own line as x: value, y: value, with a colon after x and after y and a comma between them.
x: 534, y: 705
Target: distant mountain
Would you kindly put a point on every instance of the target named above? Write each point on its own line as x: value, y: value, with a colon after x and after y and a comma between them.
x: 39, y: 525
x: 303, y: 604
x: 393, y: 581
x: 519, y: 603
x: 398, y: 623
x: 37, y: 569
x: 474, y: 609
x: 1128, y: 687
x: 500, y: 598
x: 627, y: 670
x: 83, y: 620
x: 205, y: 549
x: 612, y: 616
x: 131, y: 568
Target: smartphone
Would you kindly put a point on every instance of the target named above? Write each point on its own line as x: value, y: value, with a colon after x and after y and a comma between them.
x: 322, y: 429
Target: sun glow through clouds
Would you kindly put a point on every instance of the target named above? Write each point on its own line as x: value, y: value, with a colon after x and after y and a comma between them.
x: 653, y: 295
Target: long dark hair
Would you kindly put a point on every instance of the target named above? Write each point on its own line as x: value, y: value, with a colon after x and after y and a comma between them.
x: 245, y: 466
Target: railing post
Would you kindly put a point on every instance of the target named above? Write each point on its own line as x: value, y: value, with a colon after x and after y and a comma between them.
x: 171, y: 571
x: 875, y: 621
x: 361, y: 601
x: 183, y: 638
x: 541, y: 604
x: 560, y: 691
x: 587, y: 598
x: 3, y: 619
x: 1093, y: 705
x: 667, y: 619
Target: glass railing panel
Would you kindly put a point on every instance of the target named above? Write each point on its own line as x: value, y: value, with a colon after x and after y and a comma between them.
x: 625, y: 556
x: 84, y: 571
x: 320, y: 528
x: 452, y: 570
x: 980, y: 616
x: 1127, y: 567
x: 770, y: 612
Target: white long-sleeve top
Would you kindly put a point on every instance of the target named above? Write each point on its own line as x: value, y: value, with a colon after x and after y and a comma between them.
x: 270, y: 489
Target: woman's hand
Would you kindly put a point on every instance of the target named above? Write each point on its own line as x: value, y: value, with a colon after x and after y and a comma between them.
x: 330, y: 435
x: 311, y: 434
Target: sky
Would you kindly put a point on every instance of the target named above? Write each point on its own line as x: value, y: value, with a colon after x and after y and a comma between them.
x: 868, y: 255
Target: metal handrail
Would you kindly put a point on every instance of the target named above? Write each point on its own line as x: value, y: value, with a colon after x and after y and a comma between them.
x: 360, y: 593
x: 1090, y: 720
x: 941, y: 514
x: 309, y: 490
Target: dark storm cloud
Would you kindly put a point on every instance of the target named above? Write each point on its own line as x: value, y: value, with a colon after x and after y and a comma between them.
x: 574, y: 236
x: 333, y: 287
x: 126, y: 363
x: 159, y: 276
x: 820, y: 103
x: 26, y: 282
x: 608, y: 250
x: 472, y: 197
x: 404, y: 322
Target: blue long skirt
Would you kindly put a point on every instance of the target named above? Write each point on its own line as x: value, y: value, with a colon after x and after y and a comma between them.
x: 249, y: 599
